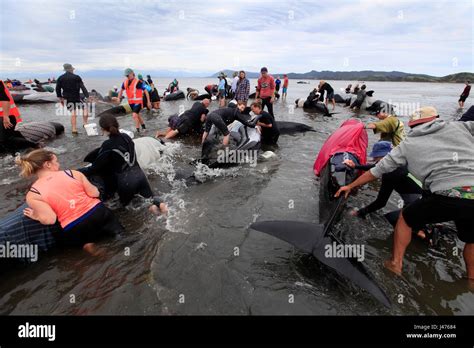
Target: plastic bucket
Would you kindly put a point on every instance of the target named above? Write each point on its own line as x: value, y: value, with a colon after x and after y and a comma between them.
x: 91, y: 129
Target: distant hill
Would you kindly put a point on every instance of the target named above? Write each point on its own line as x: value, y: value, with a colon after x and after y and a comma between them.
x: 365, y: 75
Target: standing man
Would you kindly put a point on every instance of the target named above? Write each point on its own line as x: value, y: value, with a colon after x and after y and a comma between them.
x: 134, y: 90
x: 68, y: 87
x: 464, y: 94
x: 222, y: 89
x: 390, y: 127
x: 266, y: 90
x: 277, y: 84
x: 324, y: 86
x: 285, y: 86
x: 243, y: 88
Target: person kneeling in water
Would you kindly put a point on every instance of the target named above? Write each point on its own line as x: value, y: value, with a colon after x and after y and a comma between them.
x: 221, y: 118
x: 188, y: 122
x: 115, y: 168
x: 66, y: 196
x: 270, y: 131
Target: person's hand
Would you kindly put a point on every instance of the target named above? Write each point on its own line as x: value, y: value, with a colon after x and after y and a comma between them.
x: 28, y: 212
x: 259, y: 129
x: 149, y: 105
x: 272, y: 99
x: 344, y: 189
x: 6, y: 122
x: 349, y: 163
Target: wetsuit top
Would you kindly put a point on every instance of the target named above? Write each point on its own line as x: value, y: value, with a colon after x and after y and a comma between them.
x: 65, y: 195
x: 398, y: 180
x: 68, y: 86
x: 114, y: 156
x: 326, y: 87
x: 193, y: 115
x: 268, y: 133
x: 229, y: 115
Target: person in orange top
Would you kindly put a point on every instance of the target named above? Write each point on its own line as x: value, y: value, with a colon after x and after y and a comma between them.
x: 66, y: 196
x: 10, y: 139
x: 135, y: 90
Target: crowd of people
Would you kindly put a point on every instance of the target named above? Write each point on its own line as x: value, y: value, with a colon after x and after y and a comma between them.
x: 430, y: 166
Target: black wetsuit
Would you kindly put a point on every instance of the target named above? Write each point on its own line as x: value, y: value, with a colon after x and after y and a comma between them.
x: 269, y: 135
x: 115, y: 169
x: 10, y: 139
x: 225, y: 116
x: 190, y: 120
x: 398, y: 181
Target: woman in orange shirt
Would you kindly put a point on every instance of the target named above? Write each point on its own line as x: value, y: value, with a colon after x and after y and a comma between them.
x: 66, y: 196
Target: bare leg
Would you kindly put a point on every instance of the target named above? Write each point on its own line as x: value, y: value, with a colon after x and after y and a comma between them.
x: 401, y: 239
x: 171, y: 134
x: 333, y: 103
x: 468, y: 254
x: 163, y: 133
x: 85, y: 114
x: 74, y: 121
x: 136, y: 119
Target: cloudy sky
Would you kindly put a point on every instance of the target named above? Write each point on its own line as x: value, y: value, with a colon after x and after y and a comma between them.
x: 432, y: 37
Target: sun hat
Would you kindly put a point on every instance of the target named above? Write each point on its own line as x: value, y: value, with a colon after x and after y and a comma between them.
x: 381, y: 148
x: 67, y: 67
x: 127, y: 71
x: 423, y: 115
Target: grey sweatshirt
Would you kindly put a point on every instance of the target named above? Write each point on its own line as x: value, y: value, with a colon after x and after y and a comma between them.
x: 440, y: 154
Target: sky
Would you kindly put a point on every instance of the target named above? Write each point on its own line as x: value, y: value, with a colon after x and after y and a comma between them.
x: 417, y: 36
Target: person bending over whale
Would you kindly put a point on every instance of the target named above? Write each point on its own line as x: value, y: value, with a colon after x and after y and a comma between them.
x: 269, y: 128
x: 400, y: 181
x: 441, y: 155
x: 188, y: 122
x: 115, y: 168
x: 68, y: 197
x: 222, y: 117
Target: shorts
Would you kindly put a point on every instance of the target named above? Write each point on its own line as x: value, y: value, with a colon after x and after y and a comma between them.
x: 284, y: 89
x: 184, y: 126
x: 432, y: 208
x: 330, y: 95
x: 135, y: 108
x: 173, y: 121
x: 463, y: 98
x: 74, y: 105
x: 95, y: 224
x: 154, y: 96
x: 217, y: 121
x: 221, y: 94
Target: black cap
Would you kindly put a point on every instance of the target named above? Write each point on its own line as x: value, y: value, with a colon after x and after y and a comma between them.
x: 264, y: 69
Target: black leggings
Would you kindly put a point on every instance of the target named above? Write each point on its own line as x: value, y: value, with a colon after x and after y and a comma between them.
x: 12, y: 140
x: 266, y: 101
x: 97, y: 224
x: 217, y: 121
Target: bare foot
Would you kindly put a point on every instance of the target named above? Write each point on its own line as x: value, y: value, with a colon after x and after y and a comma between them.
x: 93, y: 250
x: 393, y: 267
x: 163, y: 209
x: 354, y: 212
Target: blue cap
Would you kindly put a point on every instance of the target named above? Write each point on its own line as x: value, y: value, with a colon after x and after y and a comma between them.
x: 380, y: 149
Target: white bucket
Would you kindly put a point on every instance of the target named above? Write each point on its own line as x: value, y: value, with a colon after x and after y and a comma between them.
x: 91, y: 129
x: 129, y: 133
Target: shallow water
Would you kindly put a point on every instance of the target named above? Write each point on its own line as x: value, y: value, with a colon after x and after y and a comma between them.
x: 203, y: 259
